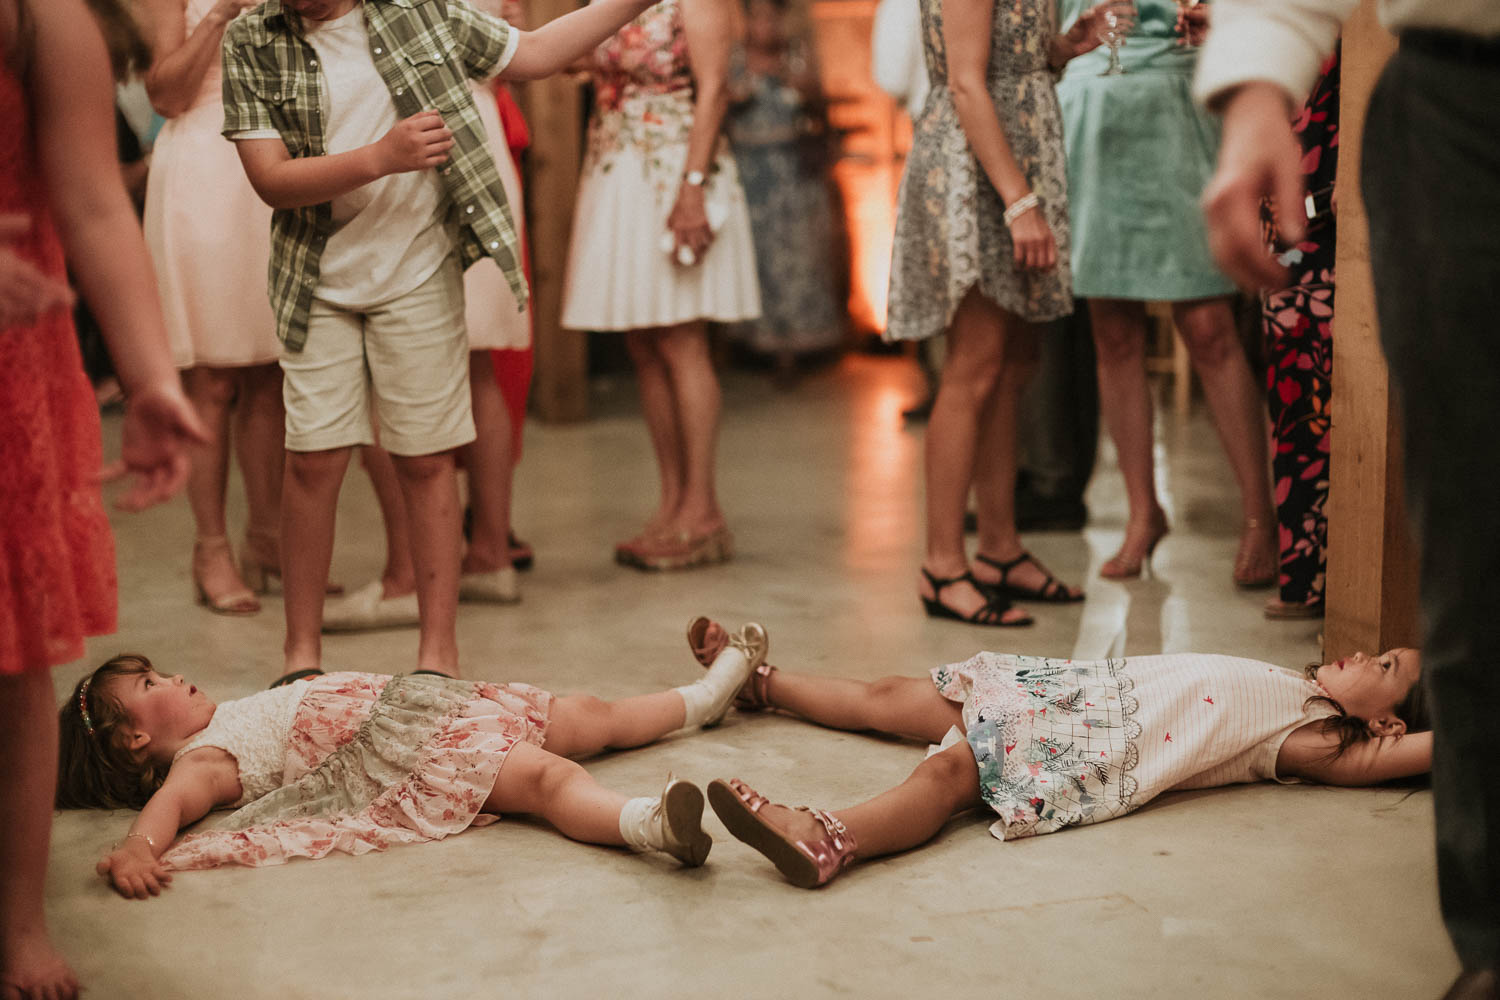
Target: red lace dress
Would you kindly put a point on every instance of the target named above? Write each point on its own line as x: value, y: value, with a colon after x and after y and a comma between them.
x: 57, y: 560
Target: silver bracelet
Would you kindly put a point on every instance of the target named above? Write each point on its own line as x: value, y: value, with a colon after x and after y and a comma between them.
x: 149, y: 842
x: 1020, y: 207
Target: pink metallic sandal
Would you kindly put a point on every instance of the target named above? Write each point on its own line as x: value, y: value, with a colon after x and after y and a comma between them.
x: 707, y: 639
x: 805, y: 865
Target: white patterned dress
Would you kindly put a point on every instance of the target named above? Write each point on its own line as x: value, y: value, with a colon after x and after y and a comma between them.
x: 1061, y: 743
x: 359, y: 762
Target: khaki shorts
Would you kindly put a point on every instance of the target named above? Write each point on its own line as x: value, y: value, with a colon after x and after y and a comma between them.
x: 409, y: 357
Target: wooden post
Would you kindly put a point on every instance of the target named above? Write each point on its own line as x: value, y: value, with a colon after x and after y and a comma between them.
x: 1372, y: 561
x: 554, y: 109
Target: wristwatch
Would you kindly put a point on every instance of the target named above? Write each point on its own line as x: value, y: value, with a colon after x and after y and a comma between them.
x: 694, y: 178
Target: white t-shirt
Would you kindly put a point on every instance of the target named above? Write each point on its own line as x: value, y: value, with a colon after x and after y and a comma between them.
x: 391, y: 234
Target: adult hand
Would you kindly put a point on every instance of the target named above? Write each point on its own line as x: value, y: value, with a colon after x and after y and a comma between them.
x: 1192, y: 24
x: 134, y: 871
x: 415, y: 143
x: 1087, y: 33
x: 225, y: 11
x: 689, y: 221
x: 1036, y: 249
x: 160, y: 424
x: 1258, y: 158
x: 25, y: 291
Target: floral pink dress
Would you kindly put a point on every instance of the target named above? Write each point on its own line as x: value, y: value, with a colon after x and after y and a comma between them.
x: 369, y: 761
x: 620, y: 274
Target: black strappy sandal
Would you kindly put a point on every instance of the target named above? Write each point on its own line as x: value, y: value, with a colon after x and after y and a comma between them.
x: 992, y: 613
x: 1052, y: 590
x: 295, y: 675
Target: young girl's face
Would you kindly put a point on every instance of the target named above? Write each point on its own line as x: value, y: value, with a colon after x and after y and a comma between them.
x: 167, y: 711
x: 1370, y: 688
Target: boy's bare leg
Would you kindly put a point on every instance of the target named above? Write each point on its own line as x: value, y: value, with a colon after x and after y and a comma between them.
x: 581, y: 724
x: 900, y: 706
x: 430, y: 489
x: 309, y: 503
x: 29, y: 964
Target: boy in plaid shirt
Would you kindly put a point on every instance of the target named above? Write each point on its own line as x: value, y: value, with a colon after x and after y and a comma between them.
x: 355, y: 122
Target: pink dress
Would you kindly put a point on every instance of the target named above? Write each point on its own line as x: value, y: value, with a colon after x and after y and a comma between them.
x: 57, y: 558
x: 210, y: 236
x: 359, y: 763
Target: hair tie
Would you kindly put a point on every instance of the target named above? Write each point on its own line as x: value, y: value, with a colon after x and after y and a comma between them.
x: 83, y: 704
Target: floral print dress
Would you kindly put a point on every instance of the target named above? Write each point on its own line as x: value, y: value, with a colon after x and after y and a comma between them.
x: 368, y: 762
x: 950, y: 230
x: 1061, y: 743
x: 620, y: 275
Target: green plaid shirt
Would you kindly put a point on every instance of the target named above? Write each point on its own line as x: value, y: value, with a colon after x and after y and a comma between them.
x: 426, y: 51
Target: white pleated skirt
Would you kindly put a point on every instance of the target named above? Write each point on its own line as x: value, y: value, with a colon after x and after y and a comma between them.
x: 620, y: 278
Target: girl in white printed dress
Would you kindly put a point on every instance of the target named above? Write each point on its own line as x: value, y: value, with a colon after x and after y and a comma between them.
x: 359, y: 762
x: 1050, y: 743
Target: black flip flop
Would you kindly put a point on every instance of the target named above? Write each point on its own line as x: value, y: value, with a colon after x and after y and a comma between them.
x: 295, y: 675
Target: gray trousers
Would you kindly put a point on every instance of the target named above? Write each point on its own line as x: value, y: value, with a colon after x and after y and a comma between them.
x: 1431, y: 181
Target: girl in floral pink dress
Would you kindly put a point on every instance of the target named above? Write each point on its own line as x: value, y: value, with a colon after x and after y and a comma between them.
x: 359, y: 762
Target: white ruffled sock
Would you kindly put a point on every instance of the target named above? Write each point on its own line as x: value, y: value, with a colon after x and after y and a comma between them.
x: 707, y: 699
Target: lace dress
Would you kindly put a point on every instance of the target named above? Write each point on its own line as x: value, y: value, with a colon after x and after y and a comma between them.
x: 359, y: 762
x: 619, y: 276
x: 209, y: 234
x: 1061, y: 743
x: 57, y: 560
x: 950, y: 228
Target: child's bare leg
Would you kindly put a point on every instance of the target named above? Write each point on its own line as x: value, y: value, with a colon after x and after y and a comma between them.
x: 901, y: 706
x: 310, y: 496
x: 399, y: 577
x: 581, y: 724
x: 430, y: 488
x: 541, y: 783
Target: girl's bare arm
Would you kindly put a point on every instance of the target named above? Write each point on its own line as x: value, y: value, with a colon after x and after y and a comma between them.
x: 1309, y: 754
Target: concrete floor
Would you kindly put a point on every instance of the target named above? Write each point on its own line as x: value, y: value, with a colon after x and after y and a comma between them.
x: 1255, y: 891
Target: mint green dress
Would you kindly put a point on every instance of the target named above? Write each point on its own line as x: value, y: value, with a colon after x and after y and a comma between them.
x: 1139, y: 155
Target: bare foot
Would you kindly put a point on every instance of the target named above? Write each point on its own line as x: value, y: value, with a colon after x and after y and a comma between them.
x: 1255, y: 562
x: 218, y: 582
x: 33, y: 968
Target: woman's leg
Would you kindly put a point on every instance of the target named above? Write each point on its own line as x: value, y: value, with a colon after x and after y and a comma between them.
x: 429, y: 486
x: 971, y: 371
x: 31, y: 965
x: 399, y: 576
x: 1238, y: 408
x: 308, y: 508
x: 996, y: 461
x: 695, y: 389
x: 659, y: 406
x: 1119, y: 328
x: 212, y: 391
x: 259, y: 432
x: 490, y: 461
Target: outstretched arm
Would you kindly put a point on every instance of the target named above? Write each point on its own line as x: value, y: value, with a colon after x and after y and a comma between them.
x: 560, y: 42
x: 1308, y: 754
x: 201, y: 780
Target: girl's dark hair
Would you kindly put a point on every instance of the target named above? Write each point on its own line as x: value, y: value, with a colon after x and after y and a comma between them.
x: 95, y: 770
x: 1350, y: 729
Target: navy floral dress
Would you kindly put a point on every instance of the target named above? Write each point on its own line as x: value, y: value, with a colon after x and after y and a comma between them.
x: 1298, y: 326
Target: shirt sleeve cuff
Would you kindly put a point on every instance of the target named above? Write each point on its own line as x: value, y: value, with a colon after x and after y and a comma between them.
x: 253, y: 133
x: 512, y: 40
x: 1276, y: 45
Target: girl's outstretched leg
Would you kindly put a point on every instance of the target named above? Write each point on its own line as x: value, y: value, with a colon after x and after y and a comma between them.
x: 560, y: 791
x: 810, y: 846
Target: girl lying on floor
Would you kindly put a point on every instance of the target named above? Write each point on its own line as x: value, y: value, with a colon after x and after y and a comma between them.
x: 1051, y: 743
x: 358, y: 762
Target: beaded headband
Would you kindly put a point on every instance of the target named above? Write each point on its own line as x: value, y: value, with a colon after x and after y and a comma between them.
x: 83, y: 704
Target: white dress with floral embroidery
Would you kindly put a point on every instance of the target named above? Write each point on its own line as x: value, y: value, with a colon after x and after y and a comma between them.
x: 1061, y: 743
x: 620, y: 277
x: 359, y: 762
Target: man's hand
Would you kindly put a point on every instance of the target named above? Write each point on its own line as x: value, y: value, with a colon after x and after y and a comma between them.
x: 414, y: 143
x: 1258, y: 158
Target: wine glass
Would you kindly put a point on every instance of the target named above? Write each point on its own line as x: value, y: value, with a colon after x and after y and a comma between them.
x: 1183, y: 6
x: 1112, y: 40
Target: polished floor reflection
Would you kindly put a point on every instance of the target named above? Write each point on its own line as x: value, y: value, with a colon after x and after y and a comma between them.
x: 1259, y: 891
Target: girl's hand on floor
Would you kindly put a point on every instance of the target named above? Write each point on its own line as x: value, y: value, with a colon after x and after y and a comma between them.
x: 160, y: 425
x: 134, y: 872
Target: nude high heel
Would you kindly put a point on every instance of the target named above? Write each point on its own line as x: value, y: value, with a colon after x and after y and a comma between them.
x: 236, y: 601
